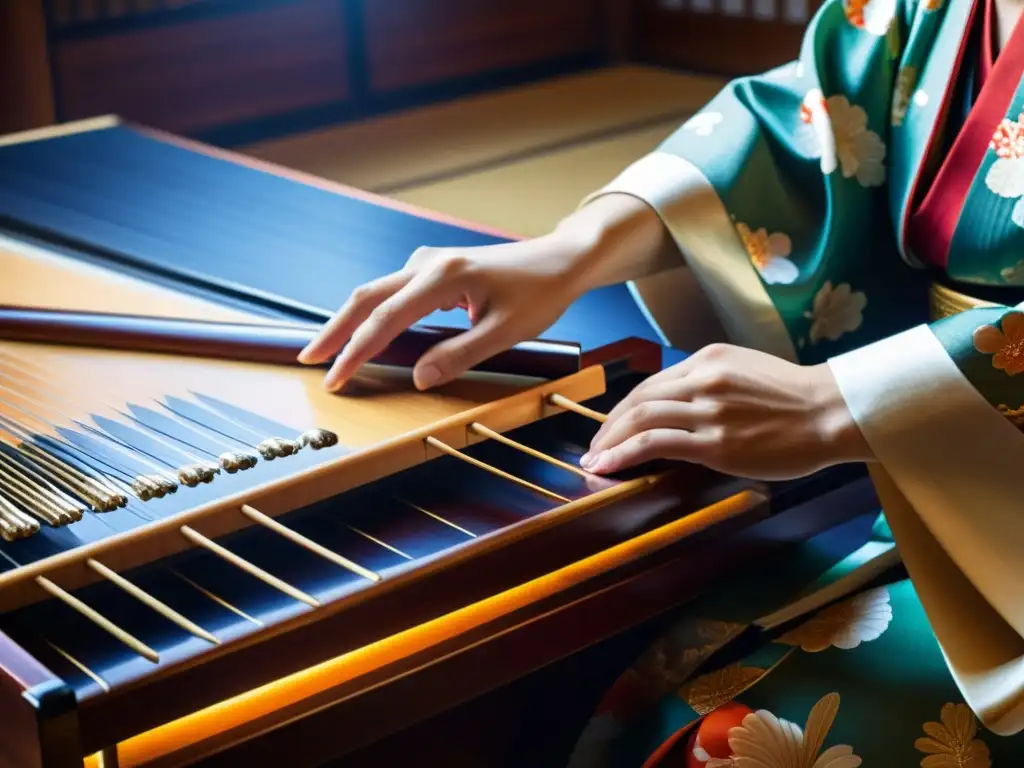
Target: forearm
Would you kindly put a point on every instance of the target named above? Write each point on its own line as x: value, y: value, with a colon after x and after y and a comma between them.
x: 614, y: 239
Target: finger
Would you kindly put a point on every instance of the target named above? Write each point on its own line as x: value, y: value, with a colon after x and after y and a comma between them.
x: 421, y: 296
x: 640, y: 392
x: 645, y: 416
x: 664, y: 388
x: 360, y: 304
x: 451, y: 358
x: 675, y: 444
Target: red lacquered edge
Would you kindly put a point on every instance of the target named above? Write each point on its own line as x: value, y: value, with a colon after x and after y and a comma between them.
x: 638, y: 354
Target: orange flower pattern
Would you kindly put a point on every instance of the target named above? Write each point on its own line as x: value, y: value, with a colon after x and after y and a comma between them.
x: 855, y: 12
x: 1006, y: 345
x: 873, y: 16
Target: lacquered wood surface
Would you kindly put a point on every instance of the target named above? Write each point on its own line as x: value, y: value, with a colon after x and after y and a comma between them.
x: 72, y: 386
x: 442, y: 534
x: 498, y: 637
x: 501, y: 652
x: 380, y: 434
x: 258, y: 343
x: 52, y: 390
x: 380, y: 408
x: 294, y: 244
x: 35, y: 276
x: 480, y: 520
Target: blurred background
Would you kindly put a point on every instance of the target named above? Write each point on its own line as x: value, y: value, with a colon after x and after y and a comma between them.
x: 503, y: 112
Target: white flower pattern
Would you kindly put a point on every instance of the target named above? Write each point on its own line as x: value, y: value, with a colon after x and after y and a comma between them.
x: 766, y: 741
x: 1006, y: 176
x: 860, y: 150
x: 841, y: 138
x: 835, y: 311
x: 703, y: 123
x: 952, y: 743
x: 818, y: 138
x: 768, y: 254
x: 701, y: 756
x: 845, y: 625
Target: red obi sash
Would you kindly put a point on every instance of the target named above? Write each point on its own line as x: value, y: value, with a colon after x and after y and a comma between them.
x: 931, y: 224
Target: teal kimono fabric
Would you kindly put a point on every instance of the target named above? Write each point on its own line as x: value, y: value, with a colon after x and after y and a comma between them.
x: 796, y: 199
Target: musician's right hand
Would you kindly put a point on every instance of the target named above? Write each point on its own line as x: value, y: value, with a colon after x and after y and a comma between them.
x: 512, y: 291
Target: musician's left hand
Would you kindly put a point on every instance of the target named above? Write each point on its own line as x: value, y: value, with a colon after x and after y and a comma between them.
x: 734, y: 410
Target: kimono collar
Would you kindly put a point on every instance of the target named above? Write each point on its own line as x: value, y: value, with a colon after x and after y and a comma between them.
x: 987, y: 49
x: 932, y: 223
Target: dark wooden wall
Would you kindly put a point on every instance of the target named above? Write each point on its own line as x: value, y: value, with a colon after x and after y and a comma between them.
x: 234, y: 70
x: 26, y: 98
x: 205, y: 72
x: 724, y: 37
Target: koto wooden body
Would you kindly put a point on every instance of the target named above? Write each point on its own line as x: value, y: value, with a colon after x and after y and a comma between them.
x: 382, y: 421
x: 438, y: 546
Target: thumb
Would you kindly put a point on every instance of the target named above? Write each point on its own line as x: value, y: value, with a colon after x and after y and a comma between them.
x: 451, y: 358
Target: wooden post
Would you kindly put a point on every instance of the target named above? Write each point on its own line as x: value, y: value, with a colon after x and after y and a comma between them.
x: 619, y: 30
x: 26, y: 92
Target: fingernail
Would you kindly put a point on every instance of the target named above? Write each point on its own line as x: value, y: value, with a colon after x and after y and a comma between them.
x: 586, y: 460
x: 333, y: 382
x: 305, y: 355
x: 600, y: 463
x: 427, y: 376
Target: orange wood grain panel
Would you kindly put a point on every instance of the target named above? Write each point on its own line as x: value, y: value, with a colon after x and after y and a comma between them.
x: 413, y: 43
x: 35, y: 277
x: 204, y: 73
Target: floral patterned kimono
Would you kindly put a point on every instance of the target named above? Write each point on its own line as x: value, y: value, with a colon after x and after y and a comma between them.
x: 864, y: 207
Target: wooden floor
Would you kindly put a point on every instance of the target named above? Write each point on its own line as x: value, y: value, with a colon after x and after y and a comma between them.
x: 518, y: 159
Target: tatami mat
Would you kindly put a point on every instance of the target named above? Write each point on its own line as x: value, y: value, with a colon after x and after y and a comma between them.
x: 392, y: 153
x: 529, y: 197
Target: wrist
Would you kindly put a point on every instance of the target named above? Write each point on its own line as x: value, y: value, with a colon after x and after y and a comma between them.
x: 613, y: 239
x: 837, y: 430
x: 580, y: 249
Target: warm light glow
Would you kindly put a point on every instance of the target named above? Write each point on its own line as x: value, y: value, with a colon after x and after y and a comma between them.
x: 259, y: 702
